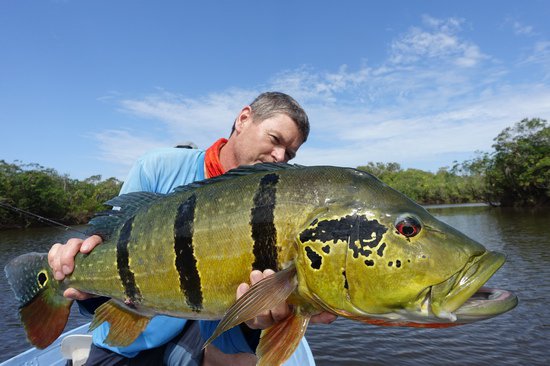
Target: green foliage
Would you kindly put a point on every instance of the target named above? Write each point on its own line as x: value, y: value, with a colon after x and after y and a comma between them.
x: 425, y: 187
x: 474, y: 173
x: 45, y: 192
x: 519, y: 173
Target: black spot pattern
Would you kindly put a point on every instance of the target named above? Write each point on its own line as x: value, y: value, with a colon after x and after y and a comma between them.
x: 315, y: 259
x: 380, y: 250
x: 361, y: 234
x: 346, y: 286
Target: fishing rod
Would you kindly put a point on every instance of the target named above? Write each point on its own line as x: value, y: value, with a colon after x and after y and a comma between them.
x: 38, y: 217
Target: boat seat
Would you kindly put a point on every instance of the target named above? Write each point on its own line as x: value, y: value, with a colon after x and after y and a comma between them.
x: 76, y: 348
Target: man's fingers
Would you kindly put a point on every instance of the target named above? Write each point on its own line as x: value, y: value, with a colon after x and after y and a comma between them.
x: 323, y: 318
x: 241, y: 290
x: 53, y: 259
x: 243, y: 287
x: 269, y: 317
x: 67, y: 254
x: 61, y: 256
x: 268, y: 272
x: 71, y: 293
x: 256, y: 276
x: 280, y: 312
x: 61, y: 259
x: 90, y: 243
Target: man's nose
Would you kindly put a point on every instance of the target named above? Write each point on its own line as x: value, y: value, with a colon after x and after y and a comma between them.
x: 279, y: 154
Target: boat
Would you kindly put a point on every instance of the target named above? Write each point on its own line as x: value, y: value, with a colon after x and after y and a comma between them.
x: 71, y: 348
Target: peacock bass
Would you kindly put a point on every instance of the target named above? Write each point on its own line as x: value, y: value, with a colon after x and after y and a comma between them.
x: 339, y: 240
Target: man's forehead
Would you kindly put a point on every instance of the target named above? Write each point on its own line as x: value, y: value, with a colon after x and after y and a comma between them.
x: 280, y: 122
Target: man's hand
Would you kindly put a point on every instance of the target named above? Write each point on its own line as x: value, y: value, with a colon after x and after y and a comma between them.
x: 279, y: 312
x: 61, y: 259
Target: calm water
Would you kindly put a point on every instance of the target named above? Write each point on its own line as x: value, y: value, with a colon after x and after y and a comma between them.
x: 520, y: 337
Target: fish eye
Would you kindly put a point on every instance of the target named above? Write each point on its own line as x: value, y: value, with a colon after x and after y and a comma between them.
x: 42, y: 278
x: 408, y: 226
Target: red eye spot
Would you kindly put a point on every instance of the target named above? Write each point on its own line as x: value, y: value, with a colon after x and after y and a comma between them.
x: 408, y: 227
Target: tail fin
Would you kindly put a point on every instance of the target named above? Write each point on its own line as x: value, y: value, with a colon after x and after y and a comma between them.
x: 42, y: 308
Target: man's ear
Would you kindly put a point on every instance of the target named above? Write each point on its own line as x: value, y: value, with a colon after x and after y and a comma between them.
x: 244, y: 118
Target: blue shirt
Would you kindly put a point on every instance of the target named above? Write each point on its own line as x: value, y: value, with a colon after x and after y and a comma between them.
x: 161, y: 171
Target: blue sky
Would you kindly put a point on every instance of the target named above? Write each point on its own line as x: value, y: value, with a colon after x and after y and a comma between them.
x: 88, y: 86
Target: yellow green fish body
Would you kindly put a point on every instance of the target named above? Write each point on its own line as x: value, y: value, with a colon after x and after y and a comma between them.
x: 340, y: 240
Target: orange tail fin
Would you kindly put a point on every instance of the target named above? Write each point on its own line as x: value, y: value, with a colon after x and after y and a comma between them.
x: 42, y: 308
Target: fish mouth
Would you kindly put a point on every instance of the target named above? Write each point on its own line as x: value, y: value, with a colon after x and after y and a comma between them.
x: 462, y: 299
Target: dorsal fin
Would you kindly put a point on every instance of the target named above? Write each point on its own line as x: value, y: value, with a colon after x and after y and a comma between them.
x: 240, y: 171
x: 125, y: 206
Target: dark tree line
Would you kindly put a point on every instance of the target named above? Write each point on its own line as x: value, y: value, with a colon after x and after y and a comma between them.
x: 43, y: 191
x: 516, y: 173
x: 445, y: 186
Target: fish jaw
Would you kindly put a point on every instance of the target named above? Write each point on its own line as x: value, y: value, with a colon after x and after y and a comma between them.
x: 461, y: 298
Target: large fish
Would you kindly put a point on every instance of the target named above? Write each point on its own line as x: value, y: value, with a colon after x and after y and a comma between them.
x: 339, y: 239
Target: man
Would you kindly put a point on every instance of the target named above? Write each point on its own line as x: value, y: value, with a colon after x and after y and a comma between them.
x: 271, y: 129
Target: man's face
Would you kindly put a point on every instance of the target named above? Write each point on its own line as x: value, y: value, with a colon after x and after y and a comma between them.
x: 276, y: 139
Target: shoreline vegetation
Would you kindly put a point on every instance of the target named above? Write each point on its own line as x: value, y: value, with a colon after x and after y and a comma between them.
x: 516, y: 173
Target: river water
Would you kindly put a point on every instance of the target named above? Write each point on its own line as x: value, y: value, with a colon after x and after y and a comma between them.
x: 520, y: 337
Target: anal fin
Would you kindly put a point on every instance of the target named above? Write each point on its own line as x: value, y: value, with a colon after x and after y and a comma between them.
x: 278, y: 342
x: 126, y: 325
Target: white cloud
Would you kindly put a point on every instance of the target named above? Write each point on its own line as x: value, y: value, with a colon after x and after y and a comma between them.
x: 438, y: 43
x: 123, y: 147
x: 540, y: 53
x: 539, y: 56
x: 423, y: 140
x: 431, y: 100
x: 522, y: 29
x: 191, y: 118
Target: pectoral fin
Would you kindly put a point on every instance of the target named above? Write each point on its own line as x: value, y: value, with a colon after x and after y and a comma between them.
x: 278, y: 342
x: 126, y: 325
x: 263, y: 296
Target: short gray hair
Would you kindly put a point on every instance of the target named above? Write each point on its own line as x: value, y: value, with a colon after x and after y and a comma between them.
x: 268, y: 104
